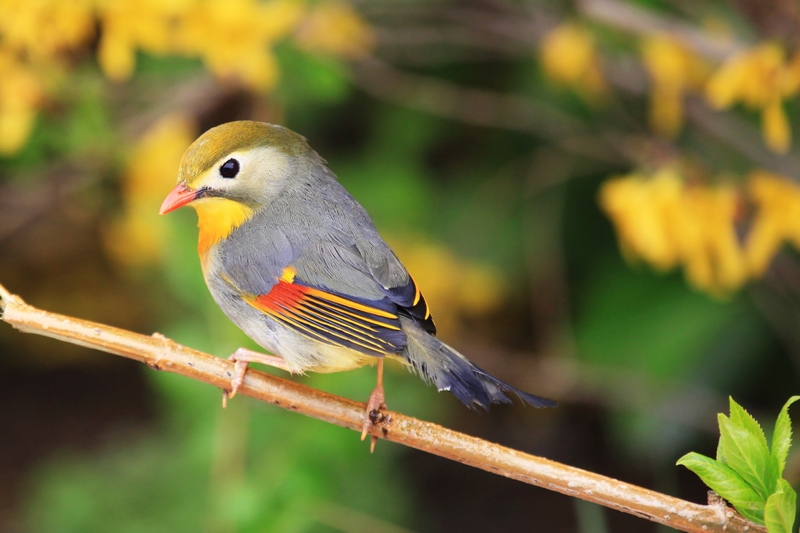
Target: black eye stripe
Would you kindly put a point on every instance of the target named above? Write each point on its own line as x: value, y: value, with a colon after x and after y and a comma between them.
x: 229, y: 169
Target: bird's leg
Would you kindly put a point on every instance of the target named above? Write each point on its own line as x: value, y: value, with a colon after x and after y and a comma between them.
x: 376, y: 402
x: 243, y: 357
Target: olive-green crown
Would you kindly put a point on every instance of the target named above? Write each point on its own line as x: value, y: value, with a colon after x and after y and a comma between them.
x: 237, y: 136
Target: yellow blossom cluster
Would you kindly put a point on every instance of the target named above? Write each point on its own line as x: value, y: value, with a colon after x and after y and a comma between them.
x: 21, y: 93
x: 34, y: 34
x: 666, y: 222
x: 134, y: 237
x: 761, y: 78
x: 569, y: 56
x: 777, y: 218
x: 234, y: 38
x: 673, y: 71
x: 45, y: 29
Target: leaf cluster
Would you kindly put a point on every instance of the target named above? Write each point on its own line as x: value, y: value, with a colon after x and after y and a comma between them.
x: 747, y: 472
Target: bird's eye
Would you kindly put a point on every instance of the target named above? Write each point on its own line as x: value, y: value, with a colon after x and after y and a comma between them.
x: 229, y: 169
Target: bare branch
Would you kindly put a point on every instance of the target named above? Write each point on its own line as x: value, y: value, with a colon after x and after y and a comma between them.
x: 161, y: 353
x: 483, y: 108
x: 642, y: 21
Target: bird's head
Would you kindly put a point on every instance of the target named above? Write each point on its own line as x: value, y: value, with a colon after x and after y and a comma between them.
x: 231, y: 171
x: 243, y: 162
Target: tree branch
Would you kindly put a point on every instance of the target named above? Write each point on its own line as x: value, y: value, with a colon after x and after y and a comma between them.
x: 642, y: 21
x: 483, y: 107
x: 161, y: 353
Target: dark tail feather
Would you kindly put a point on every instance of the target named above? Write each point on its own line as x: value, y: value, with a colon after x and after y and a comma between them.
x: 449, y: 370
x: 530, y: 399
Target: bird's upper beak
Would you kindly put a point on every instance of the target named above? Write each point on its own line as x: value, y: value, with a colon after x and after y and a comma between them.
x: 180, y: 196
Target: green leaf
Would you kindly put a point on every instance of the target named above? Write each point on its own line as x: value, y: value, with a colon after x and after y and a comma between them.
x: 782, y: 436
x: 721, y: 453
x: 746, y: 457
x: 743, y: 419
x: 728, y: 484
x: 779, y: 512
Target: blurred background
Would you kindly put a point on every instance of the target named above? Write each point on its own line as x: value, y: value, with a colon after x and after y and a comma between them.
x: 599, y: 199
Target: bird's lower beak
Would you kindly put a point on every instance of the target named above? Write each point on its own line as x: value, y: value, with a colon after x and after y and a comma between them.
x: 180, y: 196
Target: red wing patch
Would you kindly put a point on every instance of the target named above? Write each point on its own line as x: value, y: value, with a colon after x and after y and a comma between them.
x: 332, y: 318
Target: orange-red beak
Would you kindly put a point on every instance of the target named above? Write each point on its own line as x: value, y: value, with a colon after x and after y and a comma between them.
x: 180, y: 196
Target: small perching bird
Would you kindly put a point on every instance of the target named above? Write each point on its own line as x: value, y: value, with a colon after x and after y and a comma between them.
x: 297, y: 264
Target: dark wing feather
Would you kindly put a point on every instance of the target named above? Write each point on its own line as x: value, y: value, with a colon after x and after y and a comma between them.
x: 411, y: 303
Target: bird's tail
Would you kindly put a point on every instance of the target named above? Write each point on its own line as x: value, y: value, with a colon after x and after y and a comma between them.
x: 449, y: 370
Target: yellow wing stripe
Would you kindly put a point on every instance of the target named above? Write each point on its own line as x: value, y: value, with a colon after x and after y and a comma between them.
x: 315, y: 320
x: 417, y: 294
x: 314, y: 307
x: 298, y: 322
x: 342, y: 321
x: 283, y: 318
x: 354, y: 339
x: 330, y: 318
x: 322, y: 303
x: 348, y: 303
x: 299, y: 317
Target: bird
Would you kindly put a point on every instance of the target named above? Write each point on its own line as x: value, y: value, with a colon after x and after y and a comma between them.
x: 296, y: 263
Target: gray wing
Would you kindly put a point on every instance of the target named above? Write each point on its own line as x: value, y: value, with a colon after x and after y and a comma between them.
x: 374, y: 270
x: 333, y: 250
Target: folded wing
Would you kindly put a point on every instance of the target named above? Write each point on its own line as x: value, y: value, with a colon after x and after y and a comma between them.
x: 369, y: 326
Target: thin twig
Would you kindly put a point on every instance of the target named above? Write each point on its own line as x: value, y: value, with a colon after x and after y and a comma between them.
x: 482, y: 107
x: 642, y: 21
x: 161, y: 353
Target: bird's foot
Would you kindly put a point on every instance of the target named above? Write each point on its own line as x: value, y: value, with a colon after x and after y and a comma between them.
x: 241, y: 359
x: 373, y: 415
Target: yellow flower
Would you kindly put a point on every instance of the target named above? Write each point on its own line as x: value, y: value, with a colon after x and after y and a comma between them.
x: 640, y: 209
x: 131, y: 25
x: 335, y: 28
x: 724, y: 239
x: 45, y: 28
x: 234, y: 38
x: 724, y: 87
x: 667, y: 223
x: 134, y: 238
x: 21, y: 93
x: 116, y: 55
x: 791, y: 78
x: 777, y: 218
x: 760, y: 78
x: 15, y: 128
x: 775, y: 127
x: 569, y: 56
x: 673, y: 70
x: 717, y: 264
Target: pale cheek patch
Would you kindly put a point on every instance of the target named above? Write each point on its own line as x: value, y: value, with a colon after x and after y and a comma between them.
x: 265, y: 170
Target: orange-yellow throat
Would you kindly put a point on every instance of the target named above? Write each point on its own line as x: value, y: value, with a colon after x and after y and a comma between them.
x: 217, y: 218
